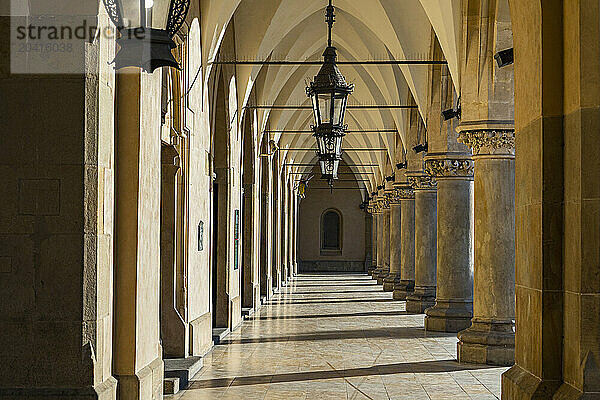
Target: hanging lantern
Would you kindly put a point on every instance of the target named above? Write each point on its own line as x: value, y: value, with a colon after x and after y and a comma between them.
x: 329, y: 94
x: 146, y: 30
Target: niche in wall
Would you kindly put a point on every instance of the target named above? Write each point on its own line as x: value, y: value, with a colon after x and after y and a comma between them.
x: 331, y: 233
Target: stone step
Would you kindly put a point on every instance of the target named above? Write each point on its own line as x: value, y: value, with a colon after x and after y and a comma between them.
x: 179, y: 372
x: 171, y: 386
x: 247, y: 312
x: 218, y: 334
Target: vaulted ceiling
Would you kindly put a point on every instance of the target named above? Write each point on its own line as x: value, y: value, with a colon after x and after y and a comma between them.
x: 364, y: 30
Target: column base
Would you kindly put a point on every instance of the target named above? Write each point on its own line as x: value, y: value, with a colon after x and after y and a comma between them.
x: 520, y: 384
x: 403, y: 289
x: 390, y: 281
x: 421, y: 299
x: 147, y: 384
x: 371, y: 269
x: 385, y: 272
x: 449, y: 316
x: 487, y: 342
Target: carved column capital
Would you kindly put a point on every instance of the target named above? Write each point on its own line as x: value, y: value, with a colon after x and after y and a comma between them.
x: 402, y: 191
x: 374, y: 207
x: 383, y: 203
x: 486, y: 142
x: 450, y: 167
x: 422, y: 181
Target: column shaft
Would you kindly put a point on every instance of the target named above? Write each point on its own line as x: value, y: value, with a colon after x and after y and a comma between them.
x: 395, y: 246
x: 453, y: 308
x: 385, y: 245
x: 490, y: 339
x: 425, y: 247
x: 406, y: 285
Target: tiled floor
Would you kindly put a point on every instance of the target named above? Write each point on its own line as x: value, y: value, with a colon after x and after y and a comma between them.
x: 338, y: 337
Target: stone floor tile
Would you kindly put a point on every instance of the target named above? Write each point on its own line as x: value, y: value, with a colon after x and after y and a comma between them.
x: 338, y: 337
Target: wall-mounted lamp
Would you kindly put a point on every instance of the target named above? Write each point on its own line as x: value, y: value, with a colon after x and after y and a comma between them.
x: 505, y: 57
x: 451, y: 113
x: 402, y: 165
x: 421, y: 148
x: 147, y: 31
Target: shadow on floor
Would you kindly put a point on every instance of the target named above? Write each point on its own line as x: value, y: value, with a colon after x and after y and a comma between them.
x: 331, y: 301
x: 383, y: 333
x: 361, y: 314
x: 386, y: 369
x: 337, y: 292
x: 341, y: 283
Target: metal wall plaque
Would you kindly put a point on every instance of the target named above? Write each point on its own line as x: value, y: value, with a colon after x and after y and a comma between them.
x: 201, y: 236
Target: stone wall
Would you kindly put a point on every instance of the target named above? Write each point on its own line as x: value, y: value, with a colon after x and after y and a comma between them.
x: 318, y: 199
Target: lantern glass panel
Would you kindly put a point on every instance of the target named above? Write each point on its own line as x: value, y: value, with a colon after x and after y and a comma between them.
x: 315, y: 108
x: 160, y: 13
x: 321, y: 145
x: 338, y: 145
x: 338, y: 109
x: 145, y: 13
x: 325, y: 107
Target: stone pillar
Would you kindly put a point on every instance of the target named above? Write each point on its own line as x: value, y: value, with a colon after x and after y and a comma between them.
x: 406, y: 285
x: 385, y: 241
x: 137, y: 352
x: 425, y: 244
x: 374, y: 243
x: 453, y: 308
x: 295, y: 244
x: 291, y: 218
x: 490, y: 339
x: 266, y: 231
x: 395, y: 242
x: 380, y: 239
x: 173, y: 328
x: 283, y: 221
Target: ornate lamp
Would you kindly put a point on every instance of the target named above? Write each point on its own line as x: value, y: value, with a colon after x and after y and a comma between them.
x: 329, y: 94
x: 147, y: 28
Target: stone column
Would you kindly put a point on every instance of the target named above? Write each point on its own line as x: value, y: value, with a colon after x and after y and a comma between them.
x: 285, y: 207
x: 453, y: 308
x: 137, y: 351
x: 266, y: 231
x: 173, y: 328
x: 425, y: 244
x: 385, y: 240
x: 406, y: 285
x: 374, y: 243
x: 291, y: 219
x: 395, y: 242
x: 380, y: 241
x: 491, y: 339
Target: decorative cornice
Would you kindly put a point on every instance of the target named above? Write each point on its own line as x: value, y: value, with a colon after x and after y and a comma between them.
x: 450, y: 168
x: 489, y: 141
x: 422, y: 182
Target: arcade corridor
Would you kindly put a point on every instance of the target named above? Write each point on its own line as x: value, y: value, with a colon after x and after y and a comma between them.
x: 338, y: 337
